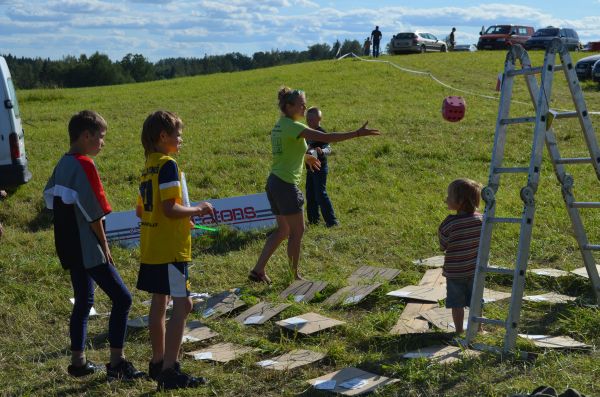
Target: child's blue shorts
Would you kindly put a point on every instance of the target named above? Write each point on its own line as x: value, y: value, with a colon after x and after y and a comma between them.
x: 166, y: 279
x: 458, y: 292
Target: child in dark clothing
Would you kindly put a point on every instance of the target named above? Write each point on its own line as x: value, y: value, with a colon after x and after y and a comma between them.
x: 316, y: 181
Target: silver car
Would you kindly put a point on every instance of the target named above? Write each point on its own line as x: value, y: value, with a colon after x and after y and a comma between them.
x: 416, y: 42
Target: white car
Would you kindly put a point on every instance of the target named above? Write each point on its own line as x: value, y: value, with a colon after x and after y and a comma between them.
x: 13, y: 161
x: 416, y: 42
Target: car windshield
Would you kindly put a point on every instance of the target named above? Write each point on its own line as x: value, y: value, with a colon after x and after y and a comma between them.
x: 546, y: 32
x: 405, y: 35
x: 500, y: 29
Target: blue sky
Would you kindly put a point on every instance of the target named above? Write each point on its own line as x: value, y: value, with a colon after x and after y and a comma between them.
x: 173, y: 28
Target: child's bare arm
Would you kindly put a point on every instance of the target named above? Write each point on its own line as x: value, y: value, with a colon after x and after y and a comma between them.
x: 319, y: 136
x: 175, y: 210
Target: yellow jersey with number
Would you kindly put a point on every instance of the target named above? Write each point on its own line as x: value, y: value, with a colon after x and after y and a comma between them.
x: 162, y: 239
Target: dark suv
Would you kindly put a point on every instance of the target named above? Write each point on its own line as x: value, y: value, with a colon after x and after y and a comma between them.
x: 583, y: 67
x: 542, y: 37
x: 501, y: 37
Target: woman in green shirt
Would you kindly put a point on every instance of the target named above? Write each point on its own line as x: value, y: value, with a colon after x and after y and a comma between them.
x: 288, y: 141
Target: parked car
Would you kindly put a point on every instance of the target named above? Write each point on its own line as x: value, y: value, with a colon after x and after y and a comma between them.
x: 465, y: 47
x: 596, y: 72
x: 542, y: 37
x: 501, y: 37
x: 583, y: 67
x: 416, y: 42
x: 13, y: 161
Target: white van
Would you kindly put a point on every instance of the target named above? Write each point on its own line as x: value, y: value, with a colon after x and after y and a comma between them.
x: 13, y: 162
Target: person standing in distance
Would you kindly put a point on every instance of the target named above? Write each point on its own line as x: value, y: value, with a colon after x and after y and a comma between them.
x: 376, y: 38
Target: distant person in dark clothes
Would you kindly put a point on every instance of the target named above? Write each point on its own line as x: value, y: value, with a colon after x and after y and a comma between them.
x: 376, y: 38
x: 316, y: 180
x: 367, y: 47
x: 452, y: 39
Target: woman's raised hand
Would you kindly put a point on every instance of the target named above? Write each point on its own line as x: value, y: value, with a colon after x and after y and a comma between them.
x: 364, y: 131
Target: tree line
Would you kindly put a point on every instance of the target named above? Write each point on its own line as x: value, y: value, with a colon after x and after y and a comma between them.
x: 98, y: 69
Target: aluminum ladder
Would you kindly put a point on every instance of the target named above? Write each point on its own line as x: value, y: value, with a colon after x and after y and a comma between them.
x: 543, y: 134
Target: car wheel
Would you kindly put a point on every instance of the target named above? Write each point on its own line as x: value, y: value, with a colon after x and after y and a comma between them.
x: 423, y: 49
x: 443, y: 49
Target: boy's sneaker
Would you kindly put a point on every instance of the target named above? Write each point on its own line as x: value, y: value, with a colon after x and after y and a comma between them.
x: 154, y: 369
x: 173, y: 378
x: 82, y: 370
x: 124, y: 371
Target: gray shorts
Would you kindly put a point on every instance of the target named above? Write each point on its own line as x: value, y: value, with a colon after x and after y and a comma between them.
x: 285, y: 198
x: 458, y: 292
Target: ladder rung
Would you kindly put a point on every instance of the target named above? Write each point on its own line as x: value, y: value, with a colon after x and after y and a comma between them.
x: 591, y: 247
x: 585, y: 204
x: 511, y: 170
x: 565, y: 115
x: 517, y: 120
x: 504, y: 220
x: 574, y: 160
x: 483, y: 320
x: 525, y: 71
x: 498, y: 270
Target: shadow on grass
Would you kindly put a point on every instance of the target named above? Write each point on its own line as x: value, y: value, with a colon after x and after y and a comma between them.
x: 225, y: 240
x: 42, y: 220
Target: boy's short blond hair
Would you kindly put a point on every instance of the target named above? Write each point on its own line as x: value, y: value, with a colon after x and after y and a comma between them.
x: 155, y: 123
x: 86, y: 120
x: 466, y: 193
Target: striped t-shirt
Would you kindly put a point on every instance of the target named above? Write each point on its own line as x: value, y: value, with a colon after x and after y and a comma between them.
x: 459, y: 238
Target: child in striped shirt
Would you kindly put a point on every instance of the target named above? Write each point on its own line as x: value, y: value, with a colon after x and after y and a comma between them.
x: 459, y: 239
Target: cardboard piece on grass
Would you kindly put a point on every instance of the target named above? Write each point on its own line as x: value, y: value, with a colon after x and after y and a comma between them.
x: 218, y: 305
x: 303, y: 290
x: 351, y: 382
x: 582, y: 271
x: 261, y: 313
x: 409, y: 321
x: 549, y: 272
x: 442, y: 318
x: 309, y: 323
x: 550, y: 297
x: 369, y: 274
x: 195, y: 331
x: 555, y: 342
x: 221, y: 352
x: 351, y: 294
x: 434, y: 261
x: 291, y: 360
x: 441, y: 354
x: 421, y: 293
x: 490, y: 295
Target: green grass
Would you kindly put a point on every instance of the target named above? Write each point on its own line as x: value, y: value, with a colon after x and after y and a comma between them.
x: 388, y: 192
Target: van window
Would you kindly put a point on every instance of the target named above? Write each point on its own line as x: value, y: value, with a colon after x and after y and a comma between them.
x: 522, y: 31
x: 13, y: 97
x: 498, y: 29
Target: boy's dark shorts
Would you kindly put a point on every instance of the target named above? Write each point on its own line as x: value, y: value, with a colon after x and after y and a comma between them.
x: 285, y: 198
x: 166, y: 279
x: 458, y: 292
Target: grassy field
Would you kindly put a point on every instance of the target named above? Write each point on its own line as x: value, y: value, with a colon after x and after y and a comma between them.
x: 388, y: 193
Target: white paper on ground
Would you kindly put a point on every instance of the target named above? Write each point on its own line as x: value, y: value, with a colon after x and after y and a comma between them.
x: 352, y: 299
x: 417, y: 355
x: 298, y: 298
x: 203, y: 356
x: 266, y: 363
x: 401, y: 294
x: 465, y: 324
x: 534, y: 337
x: 295, y: 320
x: 93, y: 311
x: 353, y: 384
x: 324, y: 384
x: 253, y: 320
x: 188, y: 338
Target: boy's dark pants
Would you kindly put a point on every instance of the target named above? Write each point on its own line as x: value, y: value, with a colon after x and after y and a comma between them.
x: 316, y: 196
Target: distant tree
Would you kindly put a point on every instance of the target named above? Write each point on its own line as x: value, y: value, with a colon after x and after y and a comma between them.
x: 319, y: 51
x: 351, y: 46
x: 138, y: 67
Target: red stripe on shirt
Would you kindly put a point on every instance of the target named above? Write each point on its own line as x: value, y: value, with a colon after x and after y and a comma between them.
x: 92, y: 175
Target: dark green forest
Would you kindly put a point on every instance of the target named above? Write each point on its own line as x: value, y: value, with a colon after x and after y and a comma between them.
x: 98, y: 69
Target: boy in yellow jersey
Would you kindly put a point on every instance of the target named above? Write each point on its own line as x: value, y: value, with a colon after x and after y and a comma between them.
x: 165, y: 247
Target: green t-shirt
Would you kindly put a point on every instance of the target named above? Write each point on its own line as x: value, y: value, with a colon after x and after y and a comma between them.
x: 288, y: 150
